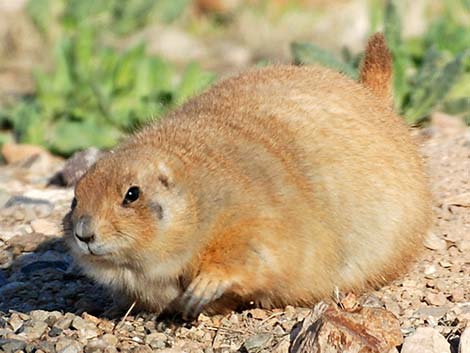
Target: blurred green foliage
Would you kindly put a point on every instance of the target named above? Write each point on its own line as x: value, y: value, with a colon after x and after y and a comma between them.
x: 96, y: 93
x: 432, y: 71
x: 117, y: 16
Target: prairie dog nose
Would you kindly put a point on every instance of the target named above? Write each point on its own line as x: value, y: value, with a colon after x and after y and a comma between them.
x: 84, y: 229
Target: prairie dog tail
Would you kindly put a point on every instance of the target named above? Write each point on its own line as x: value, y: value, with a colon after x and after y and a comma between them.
x: 376, y: 70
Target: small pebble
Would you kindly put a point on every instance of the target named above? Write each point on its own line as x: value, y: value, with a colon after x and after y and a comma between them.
x: 45, y: 227
x: 257, y: 341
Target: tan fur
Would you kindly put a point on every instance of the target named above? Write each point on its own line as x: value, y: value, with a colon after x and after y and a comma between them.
x: 376, y: 71
x: 275, y: 187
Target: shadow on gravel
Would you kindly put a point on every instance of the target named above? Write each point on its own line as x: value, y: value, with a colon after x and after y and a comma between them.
x: 46, y: 279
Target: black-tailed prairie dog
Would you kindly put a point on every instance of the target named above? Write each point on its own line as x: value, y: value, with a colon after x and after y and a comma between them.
x: 273, y: 187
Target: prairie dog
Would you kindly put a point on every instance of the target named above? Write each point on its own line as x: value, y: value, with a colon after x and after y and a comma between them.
x: 273, y: 187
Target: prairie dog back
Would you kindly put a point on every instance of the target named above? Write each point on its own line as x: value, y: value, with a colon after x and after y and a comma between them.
x: 274, y: 187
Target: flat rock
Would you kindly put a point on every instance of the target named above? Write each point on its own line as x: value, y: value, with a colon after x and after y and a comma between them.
x: 425, y: 340
x: 34, y: 329
x: 435, y: 312
x: 330, y: 330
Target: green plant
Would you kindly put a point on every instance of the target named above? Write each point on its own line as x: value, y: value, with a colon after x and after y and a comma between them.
x: 95, y: 93
x: 429, y: 72
x: 115, y: 16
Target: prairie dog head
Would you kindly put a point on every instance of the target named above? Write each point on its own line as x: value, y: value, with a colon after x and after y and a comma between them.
x: 131, y: 211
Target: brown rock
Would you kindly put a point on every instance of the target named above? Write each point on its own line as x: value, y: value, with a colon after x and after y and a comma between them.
x: 458, y: 294
x: 45, y: 227
x: 259, y: 314
x: 327, y: 329
x: 425, y: 340
x: 437, y: 299
x: 434, y: 242
x: 350, y: 302
x: 28, y: 242
x: 14, y: 153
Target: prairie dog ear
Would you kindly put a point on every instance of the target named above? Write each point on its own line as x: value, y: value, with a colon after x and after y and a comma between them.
x: 165, y: 175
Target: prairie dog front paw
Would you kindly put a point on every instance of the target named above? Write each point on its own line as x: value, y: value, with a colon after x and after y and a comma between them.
x: 204, y: 289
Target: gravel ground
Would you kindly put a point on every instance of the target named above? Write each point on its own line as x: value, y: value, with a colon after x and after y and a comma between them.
x: 46, y: 305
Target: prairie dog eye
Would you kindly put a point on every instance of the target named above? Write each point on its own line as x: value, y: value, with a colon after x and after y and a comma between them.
x: 131, y: 195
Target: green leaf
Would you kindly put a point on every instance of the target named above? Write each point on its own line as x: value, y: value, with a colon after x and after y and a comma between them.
x: 392, y: 31
x: 126, y: 67
x: 308, y: 53
x: 435, y: 90
x: 30, y: 126
x: 458, y: 106
x: 169, y: 10
x: 153, y: 75
x: 193, y: 81
x: 65, y: 137
x: 40, y: 12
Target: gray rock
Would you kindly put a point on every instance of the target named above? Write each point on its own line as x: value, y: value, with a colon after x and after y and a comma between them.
x: 157, y: 344
x: 34, y: 329
x: 86, y: 329
x: 96, y: 345
x: 256, y: 342
x: 156, y: 340
x: 67, y: 345
x: 45, y: 346
x: 12, y: 345
x: 16, y: 201
x: 39, y: 315
x: 64, y: 322
x: 78, y: 164
x: 55, y: 331
x: 435, y: 312
x: 6, y: 260
x: 425, y: 340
